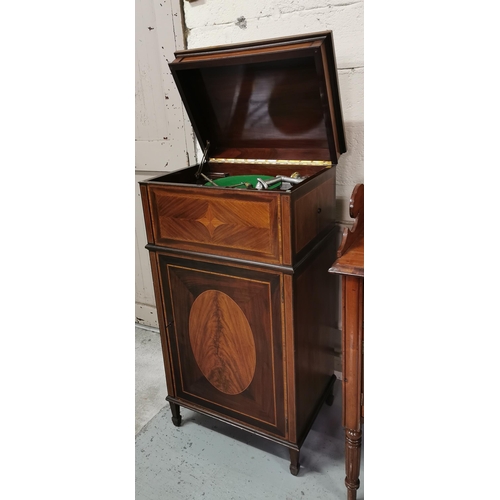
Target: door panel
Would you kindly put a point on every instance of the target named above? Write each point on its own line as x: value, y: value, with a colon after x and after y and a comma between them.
x: 226, y: 339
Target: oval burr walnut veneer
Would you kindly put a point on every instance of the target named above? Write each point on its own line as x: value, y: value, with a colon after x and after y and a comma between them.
x: 222, y: 342
x: 240, y: 275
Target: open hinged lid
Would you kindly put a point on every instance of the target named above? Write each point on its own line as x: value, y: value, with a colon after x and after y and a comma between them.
x: 272, y: 100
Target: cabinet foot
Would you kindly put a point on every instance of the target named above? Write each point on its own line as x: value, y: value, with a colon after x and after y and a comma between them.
x: 176, y: 414
x: 294, y: 461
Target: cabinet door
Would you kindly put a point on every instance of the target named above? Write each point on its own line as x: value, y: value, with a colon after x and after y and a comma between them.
x: 225, y: 339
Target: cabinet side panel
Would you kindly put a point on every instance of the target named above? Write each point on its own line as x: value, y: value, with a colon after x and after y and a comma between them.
x: 286, y: 238
x: 314, y: 334
x: 160, y: 306
x: 314, y: 212
x: 146, y: 212
x: 289, y: 356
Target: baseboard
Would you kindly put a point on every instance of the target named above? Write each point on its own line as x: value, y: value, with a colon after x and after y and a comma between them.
x: 146, y: 315
x: 147, y: 328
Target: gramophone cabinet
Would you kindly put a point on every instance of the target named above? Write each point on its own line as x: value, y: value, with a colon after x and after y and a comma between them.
x: 241, y: 279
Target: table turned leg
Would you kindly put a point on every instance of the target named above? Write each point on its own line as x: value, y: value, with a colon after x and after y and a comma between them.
x: 294, y: 461
x: 352, y: 462
x: 176, y: 414
x: 352, y: 368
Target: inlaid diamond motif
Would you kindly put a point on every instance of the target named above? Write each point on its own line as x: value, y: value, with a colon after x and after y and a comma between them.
x: 210, y: 221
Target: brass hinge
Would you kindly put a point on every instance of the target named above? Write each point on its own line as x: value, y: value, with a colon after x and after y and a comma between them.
x: 319, y: 163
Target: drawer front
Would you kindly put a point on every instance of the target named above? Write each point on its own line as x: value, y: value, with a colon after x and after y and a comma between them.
x: 314, y: 213
x: 229, y: 224
x: 225, y: 340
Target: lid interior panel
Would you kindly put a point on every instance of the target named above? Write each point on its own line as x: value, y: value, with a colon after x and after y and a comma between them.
x: 258, y: 109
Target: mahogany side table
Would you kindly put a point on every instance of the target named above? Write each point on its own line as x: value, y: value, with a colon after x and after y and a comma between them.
x: 350, y: 265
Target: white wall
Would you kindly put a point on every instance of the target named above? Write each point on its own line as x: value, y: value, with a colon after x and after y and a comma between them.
x: 216, y: 22
x: 163, y: 138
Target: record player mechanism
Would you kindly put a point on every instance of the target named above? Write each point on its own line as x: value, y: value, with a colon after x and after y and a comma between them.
x: 255, y: 181
x: 246, y: 181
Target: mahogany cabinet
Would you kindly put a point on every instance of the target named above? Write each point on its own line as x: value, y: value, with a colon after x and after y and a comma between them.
x: 243, y: 299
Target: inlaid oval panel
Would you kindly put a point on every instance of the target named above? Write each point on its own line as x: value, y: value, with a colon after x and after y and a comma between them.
x: 222, y: 342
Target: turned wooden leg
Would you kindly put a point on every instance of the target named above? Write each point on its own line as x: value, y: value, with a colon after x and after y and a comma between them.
x: 352, y: 462
x: 176, y: 414
x: 352, y: 371
x: 294, y: 461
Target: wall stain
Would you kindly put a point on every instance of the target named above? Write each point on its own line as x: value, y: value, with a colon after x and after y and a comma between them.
x: 241, y: 22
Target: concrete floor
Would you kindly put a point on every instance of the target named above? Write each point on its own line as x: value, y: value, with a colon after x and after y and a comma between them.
x: 150, y: 385
x: 209, y: 460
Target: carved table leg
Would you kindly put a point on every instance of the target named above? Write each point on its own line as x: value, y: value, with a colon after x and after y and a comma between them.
x: 352, y: 360
x: 294, y: 461
x: 352, y: 462
x: 176, y: 414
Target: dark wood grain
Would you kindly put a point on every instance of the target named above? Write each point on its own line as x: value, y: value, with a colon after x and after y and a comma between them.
x: 160, y: 310
x: 277, y: 96
x: 236, y: 52
x: 329, y: 70
x: 253, y: 393
x: 329, y: 61
x: 274, y: 42
x: 314, y: 334
x: 234, y: 224
x: 222, y: 342
x: 290, y: 374
x: 314, y: 212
